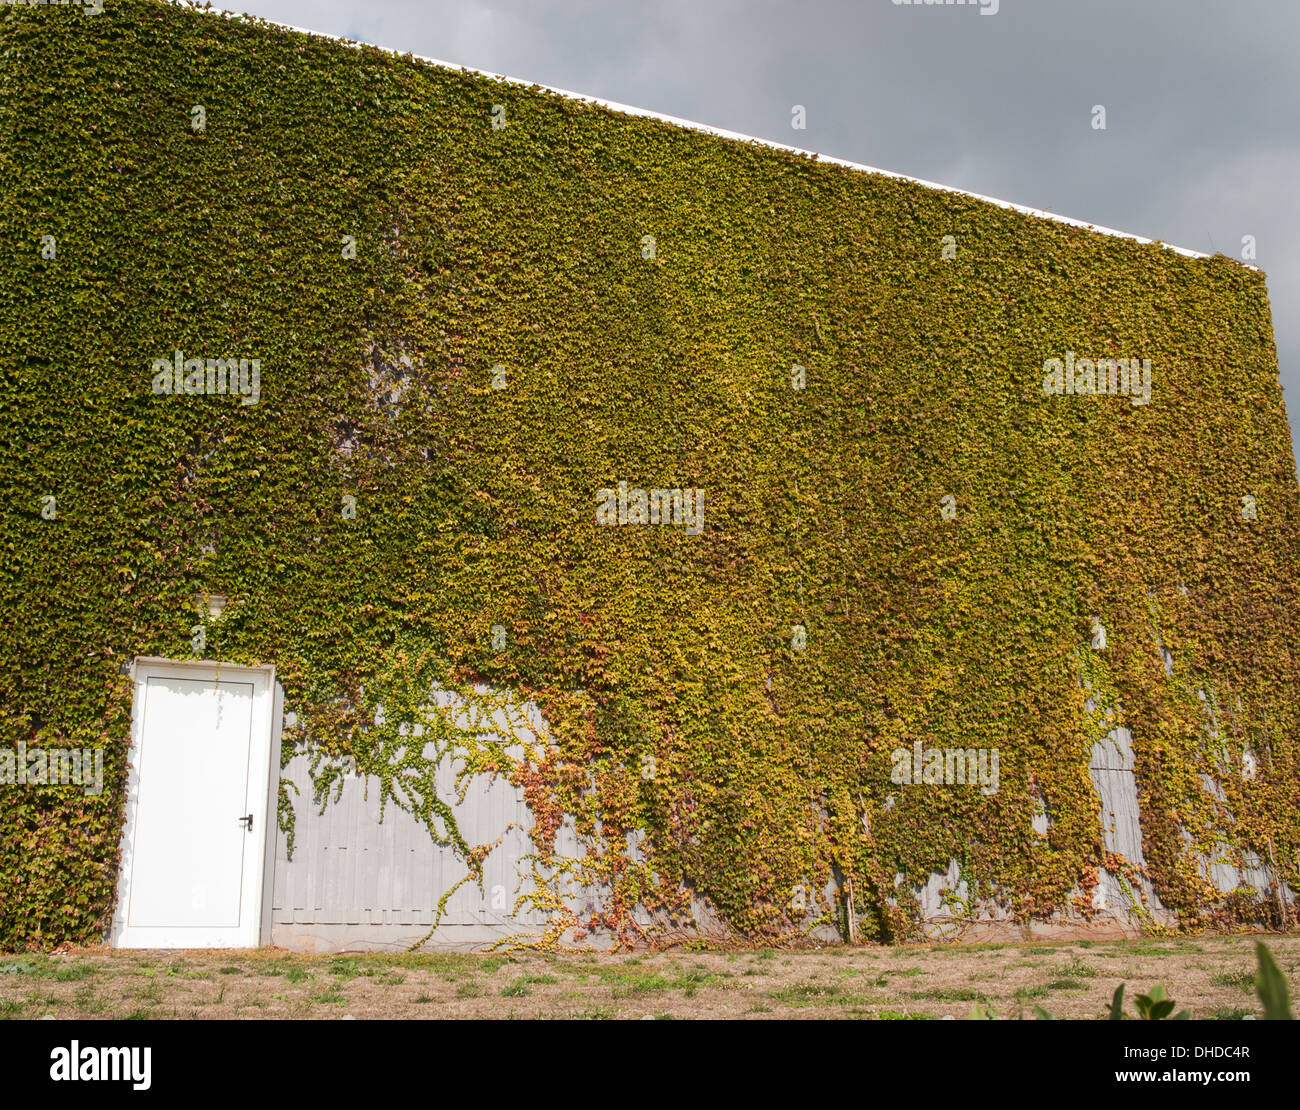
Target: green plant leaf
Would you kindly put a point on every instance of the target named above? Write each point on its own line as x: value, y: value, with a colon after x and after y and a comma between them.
x: 1270, y: 985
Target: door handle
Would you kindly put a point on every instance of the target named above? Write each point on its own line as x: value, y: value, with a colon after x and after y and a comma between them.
x: 247, y: 822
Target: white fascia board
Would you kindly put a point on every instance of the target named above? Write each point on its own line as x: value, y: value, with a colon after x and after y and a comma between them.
x: 629, y: 110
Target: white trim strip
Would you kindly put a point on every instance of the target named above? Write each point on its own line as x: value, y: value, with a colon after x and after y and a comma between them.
x: 629, y: 110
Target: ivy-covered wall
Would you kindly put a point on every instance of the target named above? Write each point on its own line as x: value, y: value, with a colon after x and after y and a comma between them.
x: 463, y: 334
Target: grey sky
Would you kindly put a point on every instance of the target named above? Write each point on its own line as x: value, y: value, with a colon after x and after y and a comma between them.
x: 1202, y: 144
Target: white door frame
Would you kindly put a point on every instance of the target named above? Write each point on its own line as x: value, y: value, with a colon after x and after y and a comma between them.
x: 263, y: 783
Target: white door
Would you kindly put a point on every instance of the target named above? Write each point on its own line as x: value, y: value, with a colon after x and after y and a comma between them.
x: 193, y: 853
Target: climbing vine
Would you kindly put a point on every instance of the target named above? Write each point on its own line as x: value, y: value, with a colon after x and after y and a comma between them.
x: 470, y: 321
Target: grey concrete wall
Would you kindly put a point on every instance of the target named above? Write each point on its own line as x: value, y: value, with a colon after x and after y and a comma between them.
x: 358, y: 883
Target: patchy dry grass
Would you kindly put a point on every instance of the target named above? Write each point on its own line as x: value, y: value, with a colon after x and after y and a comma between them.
x: 1210, y: 975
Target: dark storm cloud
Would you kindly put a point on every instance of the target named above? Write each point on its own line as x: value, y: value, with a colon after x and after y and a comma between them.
x: 1201, y: 146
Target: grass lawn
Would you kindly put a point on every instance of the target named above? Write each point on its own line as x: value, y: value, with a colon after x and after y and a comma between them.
x: 1210, y: 975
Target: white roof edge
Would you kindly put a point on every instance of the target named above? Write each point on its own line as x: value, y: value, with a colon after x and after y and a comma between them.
x: 627, y: 109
